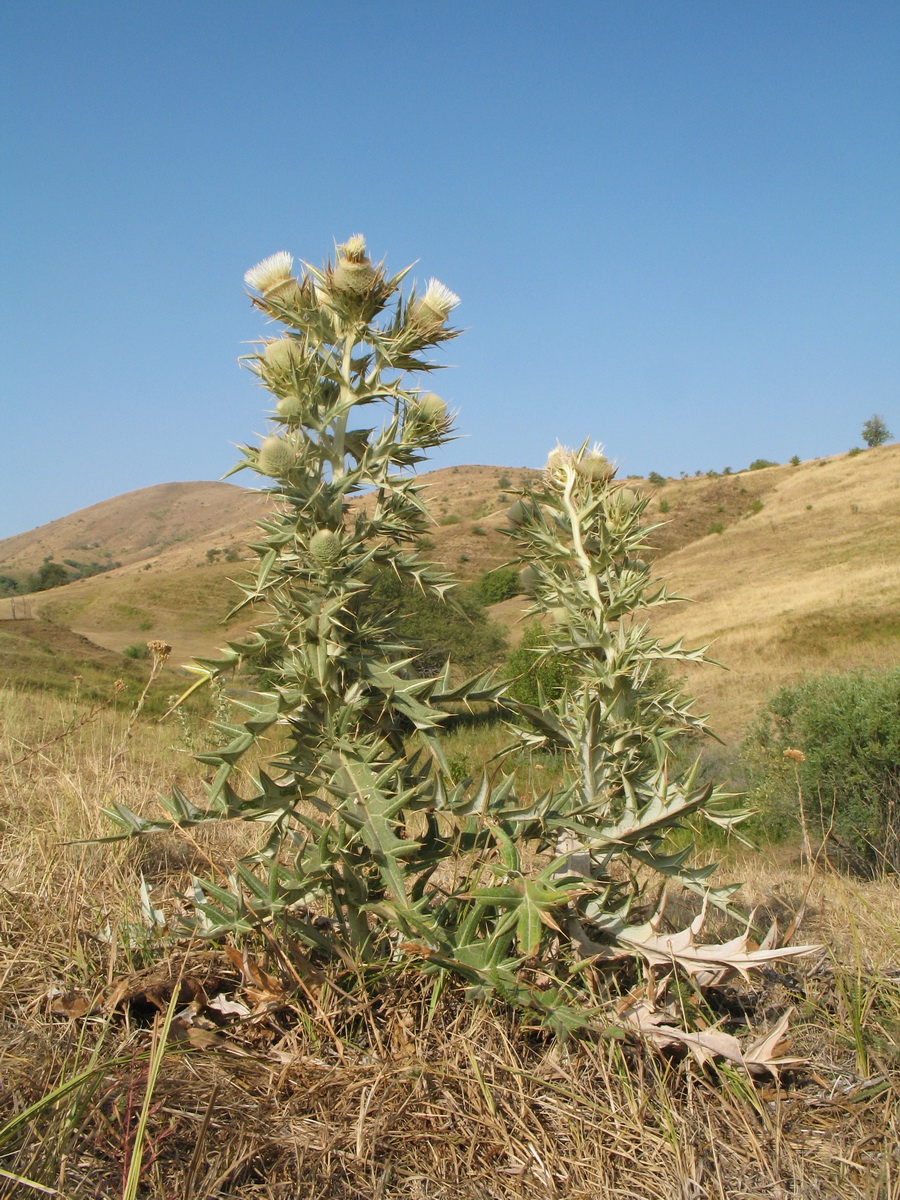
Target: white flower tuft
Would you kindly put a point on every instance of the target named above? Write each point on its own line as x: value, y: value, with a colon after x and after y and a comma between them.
x: 354, y: 248
x: 272, y: 271
x: 439, y: 299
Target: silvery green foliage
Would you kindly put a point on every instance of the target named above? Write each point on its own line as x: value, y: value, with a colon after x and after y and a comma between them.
x: 371, y: 848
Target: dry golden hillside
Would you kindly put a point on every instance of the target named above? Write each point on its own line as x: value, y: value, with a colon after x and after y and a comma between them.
x: 810, y: 582
x: 803, y: 575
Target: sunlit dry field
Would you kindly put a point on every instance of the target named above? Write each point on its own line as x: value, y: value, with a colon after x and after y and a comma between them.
x: 289, y: 1083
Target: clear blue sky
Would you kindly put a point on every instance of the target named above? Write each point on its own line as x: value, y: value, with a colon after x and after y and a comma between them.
x: 673, y: 223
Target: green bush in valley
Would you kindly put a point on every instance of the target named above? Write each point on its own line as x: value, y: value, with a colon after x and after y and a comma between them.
x: 438, y: 631
x: 536, y: 673
x: 138, y: 650
x: 500, y: 584
x: 846, y: 732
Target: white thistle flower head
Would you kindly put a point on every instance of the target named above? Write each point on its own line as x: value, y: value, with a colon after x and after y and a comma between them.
x: 558, y: 459
x: 354, y: 249
x: 594, y: 465
x: 272, y: 272
x: 439, y: 299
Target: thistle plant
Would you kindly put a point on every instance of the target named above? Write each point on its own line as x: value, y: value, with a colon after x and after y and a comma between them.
x: 370, y: 848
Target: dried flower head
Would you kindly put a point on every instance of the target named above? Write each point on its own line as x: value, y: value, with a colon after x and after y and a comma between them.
x: 271, y: 273
x: 159, y: 650
x: 795, y: 755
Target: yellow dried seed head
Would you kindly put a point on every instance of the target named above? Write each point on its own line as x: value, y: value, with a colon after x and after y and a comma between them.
x: 795, y: 755
x: 277, y: 456
x: 325, y: 547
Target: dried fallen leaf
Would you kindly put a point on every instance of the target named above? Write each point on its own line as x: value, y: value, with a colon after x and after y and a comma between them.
x: 69, y: 1004
x: 228, y: 1008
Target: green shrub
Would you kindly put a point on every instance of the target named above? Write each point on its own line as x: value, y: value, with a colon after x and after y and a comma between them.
x: 664, y: 504
x: 848, y: 728
x: 853, y: 451
x: 478, y: 531
x: 759, y: 464
x: 656, y: 479
x: 757, y: 505
x: 138, y: 650
x: 448, y: 519
x: 795, y: 460
x: 504, y: 482
x: 497, y: 585
x: 537, y: 673
x: 716, y: 527
x: 48, y: 575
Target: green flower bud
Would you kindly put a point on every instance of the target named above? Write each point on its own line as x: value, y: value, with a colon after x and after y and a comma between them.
x: 325, y: 547
x: 277, y: 456
x: 627, y: 498
x: 352, y: 279
x: 529, y: 578
x: 596, y: 467
x: 431, y: 408
x: 282, y: 354
x: 290, y: 409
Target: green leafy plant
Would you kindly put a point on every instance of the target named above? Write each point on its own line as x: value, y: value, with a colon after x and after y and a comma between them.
x: 656, y: 479
x: 875, y: 432
x: 499, y: 584
x: 760, y: 464
x: 374, y: 851
x: 795, y: 460
x: 842, y: 733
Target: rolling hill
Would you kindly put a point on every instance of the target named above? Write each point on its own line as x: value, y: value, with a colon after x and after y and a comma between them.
x: 790, y: 569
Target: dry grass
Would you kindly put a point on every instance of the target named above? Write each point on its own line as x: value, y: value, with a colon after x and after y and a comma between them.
x: 329, y: 1091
